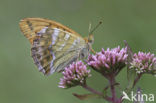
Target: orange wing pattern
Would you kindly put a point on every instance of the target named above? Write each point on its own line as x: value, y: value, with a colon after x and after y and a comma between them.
x: 31, y: 26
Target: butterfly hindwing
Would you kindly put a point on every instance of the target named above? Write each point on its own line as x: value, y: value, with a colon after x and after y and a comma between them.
x: 56, y: 50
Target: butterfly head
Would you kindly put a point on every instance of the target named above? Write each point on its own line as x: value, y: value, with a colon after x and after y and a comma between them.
x: 90, y: 39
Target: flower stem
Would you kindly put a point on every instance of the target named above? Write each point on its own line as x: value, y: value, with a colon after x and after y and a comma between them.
x: 137, y: 79
x: 112, y: 82
x: 92, y: 90
x: 112, y: 88
x: 85, y: 86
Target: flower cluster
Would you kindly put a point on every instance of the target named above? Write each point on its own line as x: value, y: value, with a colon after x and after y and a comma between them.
x: 108, y: 61
x: 144, y: 62
x: 73, y: 75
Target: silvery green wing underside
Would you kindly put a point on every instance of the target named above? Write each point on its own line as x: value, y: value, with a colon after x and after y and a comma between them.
x: 54, y: 49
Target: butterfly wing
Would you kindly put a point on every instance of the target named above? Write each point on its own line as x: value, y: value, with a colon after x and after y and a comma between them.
x: 54, y: 46
x: 31, y: 26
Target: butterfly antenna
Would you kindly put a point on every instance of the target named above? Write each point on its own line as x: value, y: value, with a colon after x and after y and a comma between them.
x: 95, y: 27
x: 90, y: 26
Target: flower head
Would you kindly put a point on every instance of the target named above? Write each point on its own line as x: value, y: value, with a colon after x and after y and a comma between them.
x: 108, y: 61
x: 74, y: 75
x: 144, y: 62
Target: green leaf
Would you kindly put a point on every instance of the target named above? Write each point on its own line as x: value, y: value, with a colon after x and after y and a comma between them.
x: 132, y: 76
x: 131, y: 73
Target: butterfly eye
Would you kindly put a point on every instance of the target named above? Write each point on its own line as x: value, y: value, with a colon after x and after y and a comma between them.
x: 90, y: 39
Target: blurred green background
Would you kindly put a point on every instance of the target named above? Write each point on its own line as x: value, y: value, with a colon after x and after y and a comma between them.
x: 20, y: 81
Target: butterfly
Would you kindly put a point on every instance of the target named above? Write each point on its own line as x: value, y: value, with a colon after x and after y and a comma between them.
x: 53, y: 45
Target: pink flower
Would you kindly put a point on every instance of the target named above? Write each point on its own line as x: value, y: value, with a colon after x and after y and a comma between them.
x: 144, y: 63
x: 108, y: 61
x: 74, y: 75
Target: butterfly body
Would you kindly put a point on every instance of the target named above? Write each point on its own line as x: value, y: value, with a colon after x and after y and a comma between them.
x: 53, y: 46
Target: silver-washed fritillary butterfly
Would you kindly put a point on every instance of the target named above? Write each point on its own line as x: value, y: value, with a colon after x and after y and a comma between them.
x: 53, y: 45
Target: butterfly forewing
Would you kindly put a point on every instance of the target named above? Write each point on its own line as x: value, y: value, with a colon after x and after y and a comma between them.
x: 31, y: 26
x: 54, y: 46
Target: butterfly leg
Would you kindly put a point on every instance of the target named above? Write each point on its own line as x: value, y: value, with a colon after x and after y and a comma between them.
x: 92, y: 50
